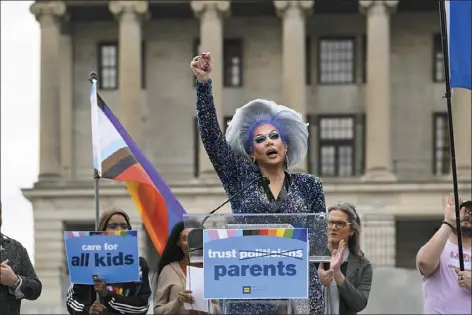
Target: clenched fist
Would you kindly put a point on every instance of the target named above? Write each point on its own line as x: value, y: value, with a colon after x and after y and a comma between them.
x: 201, y: 67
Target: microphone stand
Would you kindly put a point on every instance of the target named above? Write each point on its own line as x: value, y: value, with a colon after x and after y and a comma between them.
x: 195, y: 236
x: 235, y: 195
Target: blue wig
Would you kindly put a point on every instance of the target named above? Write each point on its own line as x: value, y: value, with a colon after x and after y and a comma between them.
x: 293, y: 131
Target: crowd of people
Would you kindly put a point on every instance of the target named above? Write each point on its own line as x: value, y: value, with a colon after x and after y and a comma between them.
x: 263, y: 140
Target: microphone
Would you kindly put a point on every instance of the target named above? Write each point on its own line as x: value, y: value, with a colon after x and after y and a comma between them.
x: 195, y: 236
x: 265, y: 181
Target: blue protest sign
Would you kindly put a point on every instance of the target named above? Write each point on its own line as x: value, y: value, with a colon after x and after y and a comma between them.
x: 255, y: 264
x: 112, y: 256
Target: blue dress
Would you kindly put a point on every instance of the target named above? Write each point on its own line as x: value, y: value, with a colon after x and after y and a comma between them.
x: 305, y: 195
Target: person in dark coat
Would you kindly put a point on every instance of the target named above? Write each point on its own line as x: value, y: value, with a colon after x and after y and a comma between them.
x: 18, y: 278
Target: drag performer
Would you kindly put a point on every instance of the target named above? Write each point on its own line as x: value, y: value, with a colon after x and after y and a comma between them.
x: 271, y: 137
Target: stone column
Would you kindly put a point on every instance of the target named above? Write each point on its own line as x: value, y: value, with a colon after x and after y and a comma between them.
x: 130, y: 15
x: 66, y: 102
x: 293, y: 13
x: 211, y: 15
x: 462, y: 120
x: 378, y: 141
x: 48, y: 14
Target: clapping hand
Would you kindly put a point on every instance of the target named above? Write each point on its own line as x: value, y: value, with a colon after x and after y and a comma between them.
x: 202, y: 66
x: 326, y: 276
x: 337, y: 256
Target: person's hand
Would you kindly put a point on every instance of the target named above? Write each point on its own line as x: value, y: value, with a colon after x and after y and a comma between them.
x: 185, y: 296
x: 464, y: 278
x: 101, y: 287
x: 326, y: 276
x: 202, y: 66
x: 97, y: 308
x: 337, y: 256
x: 7, y: 275
x: 449, y: 210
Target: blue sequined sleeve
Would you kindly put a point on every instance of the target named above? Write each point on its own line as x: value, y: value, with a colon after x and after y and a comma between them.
x: 319, y: 203
x: 224, y: 161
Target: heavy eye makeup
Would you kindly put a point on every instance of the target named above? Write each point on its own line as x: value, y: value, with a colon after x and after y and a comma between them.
x: 273, y: 135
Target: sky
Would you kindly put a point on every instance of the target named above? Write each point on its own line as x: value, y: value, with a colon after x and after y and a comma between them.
x: 20, y: 54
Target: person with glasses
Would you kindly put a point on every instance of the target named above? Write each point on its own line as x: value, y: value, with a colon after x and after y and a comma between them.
x: 447, y: 289
x: 347, y: 279
x: 117, y: 298
x: 262, y: 141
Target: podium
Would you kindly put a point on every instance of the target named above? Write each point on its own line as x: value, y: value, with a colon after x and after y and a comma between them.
x: 258, y: 263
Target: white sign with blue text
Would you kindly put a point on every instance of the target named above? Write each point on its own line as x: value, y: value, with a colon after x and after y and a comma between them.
x: 255, y: 263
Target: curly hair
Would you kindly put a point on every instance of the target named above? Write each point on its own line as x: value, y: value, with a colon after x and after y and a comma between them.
x: 293, y: 131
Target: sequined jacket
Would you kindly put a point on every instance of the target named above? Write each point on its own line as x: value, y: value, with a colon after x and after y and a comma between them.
x: 30, y: 287
x: 305, y: 194
x: 127, y: 298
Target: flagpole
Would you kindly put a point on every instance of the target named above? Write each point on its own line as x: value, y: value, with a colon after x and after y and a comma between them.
x: 445, y: 49
x: 96, y: 176
x: 96, y: 183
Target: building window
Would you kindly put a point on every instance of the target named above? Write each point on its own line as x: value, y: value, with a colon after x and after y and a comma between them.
x: 336, y: 154
x: 336, y: 61
x: 108, y: 66
x: 233, y: 62
x: 438, y: 59
x: 441, y: 153
x: 196, y: 143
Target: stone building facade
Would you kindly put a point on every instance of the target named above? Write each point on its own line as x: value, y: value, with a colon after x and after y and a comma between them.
x: 367, y: 75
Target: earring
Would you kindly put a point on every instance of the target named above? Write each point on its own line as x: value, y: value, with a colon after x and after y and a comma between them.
x: 286, y: 157
x: 253, y: 159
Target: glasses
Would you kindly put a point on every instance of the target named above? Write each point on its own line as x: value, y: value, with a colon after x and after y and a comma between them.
x: 339, y: 224
x: 114, y: 226
x: 273, y: 135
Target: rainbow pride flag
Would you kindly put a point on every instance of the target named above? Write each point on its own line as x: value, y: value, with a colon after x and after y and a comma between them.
x: 116, y: 156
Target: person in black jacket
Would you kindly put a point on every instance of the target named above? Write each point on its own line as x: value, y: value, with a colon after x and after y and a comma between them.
x: 18, y: 279
x: 124, y: 298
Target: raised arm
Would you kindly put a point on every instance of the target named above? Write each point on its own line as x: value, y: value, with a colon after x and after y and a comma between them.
x: 224, y: 161
x: 428, y: 256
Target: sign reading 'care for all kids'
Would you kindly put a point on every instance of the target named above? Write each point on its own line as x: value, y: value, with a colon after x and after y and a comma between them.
x: 255, y: 264
x: 111, y: 256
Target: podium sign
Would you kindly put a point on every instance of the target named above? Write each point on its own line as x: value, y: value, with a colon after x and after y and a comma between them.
x: 255, y: 263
